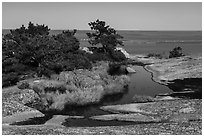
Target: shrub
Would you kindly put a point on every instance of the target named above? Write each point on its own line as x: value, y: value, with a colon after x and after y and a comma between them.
x: 33, y: 49
x: 9, y: 80
x: 67, y: 41
x: 116, y: 84
x: 23, y: 85
x: 116, y: 69
x: 117, y: 55
x: 22, y: 34
x: 78, y: 61
x: 98, y: 56
x: 176, y: 52
x: 20, y: 51
x: 78, y: 88
x: 18, y: 68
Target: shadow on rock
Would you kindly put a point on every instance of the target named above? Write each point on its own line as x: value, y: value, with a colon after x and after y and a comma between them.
x: 187, y: 88
x: 34, y: 121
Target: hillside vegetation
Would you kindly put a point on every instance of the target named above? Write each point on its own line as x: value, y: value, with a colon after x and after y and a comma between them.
x: 32, y: 52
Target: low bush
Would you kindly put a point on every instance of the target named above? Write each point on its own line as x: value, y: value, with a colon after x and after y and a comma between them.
x: 116, y: 84
x: 78, y: 88
x: 176, y: 52
x: 70, y: 62
x: 116, y: 69
x: 9, y: 79
x: 23, y: 85
x: 117, y: 55
x: 98, y: 57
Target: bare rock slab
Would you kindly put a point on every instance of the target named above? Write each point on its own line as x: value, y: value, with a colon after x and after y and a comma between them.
x: 130, y: 70
x: 165, y: 70
x: 126, y: 108
x: 186, y: 109
x: 136, y: 117
x: 186, y: 117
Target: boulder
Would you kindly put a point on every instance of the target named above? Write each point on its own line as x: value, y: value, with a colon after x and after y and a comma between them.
x: 118, y: 69
x: 127, y: 55
x: 165, y: 98
x: 130, y: 70
x: 86, y: 50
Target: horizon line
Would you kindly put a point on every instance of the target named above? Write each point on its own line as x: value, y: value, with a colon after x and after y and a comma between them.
x: 115, y: 29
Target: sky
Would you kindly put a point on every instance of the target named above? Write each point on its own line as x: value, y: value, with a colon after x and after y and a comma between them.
x: 119, y: 15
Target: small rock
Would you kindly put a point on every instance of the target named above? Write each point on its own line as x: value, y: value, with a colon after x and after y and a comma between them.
x: 130, y: 70
x: 166, y: 98
x: 187, y: 110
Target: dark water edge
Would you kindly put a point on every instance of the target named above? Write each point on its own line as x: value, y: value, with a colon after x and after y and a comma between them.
x: 179, y: 85
x: 189, y: 88
x: 192, y: 87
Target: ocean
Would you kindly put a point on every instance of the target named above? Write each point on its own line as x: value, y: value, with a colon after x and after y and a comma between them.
x: 144, y: 42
